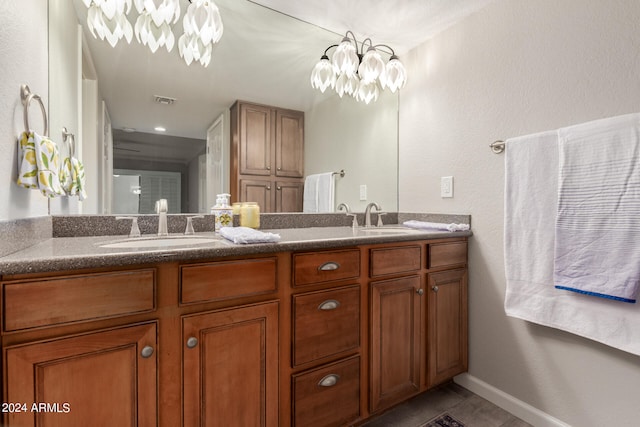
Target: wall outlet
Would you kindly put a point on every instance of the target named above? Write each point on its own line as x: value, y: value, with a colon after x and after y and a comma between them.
x: 446, y: 186
x: 363, y: 192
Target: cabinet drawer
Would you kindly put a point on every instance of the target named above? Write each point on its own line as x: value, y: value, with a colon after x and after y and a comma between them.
x: 447, y: 254
x: 318, y: 267
x: 400, y: 259
x: 67, y: 299
x: 228, y: 279
x: 329, y: 396
x: 325, y: 323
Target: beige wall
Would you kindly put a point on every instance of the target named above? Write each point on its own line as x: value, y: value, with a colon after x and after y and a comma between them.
x: 515, y: 68
x: 24, y: 61
x: 362, y: 140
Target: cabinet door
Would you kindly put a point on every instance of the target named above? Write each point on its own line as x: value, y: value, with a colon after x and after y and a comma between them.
x: 259, y: 191
x: 290, y: 143
x: 447, y: 325
x: 289, y: 196
x: 255, y: 140
x: 395, y: 341
x: 230, y: 363
x: 101, y: 378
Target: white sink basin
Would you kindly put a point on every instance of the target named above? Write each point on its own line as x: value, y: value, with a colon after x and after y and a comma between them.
x: 162, y: 242
x: 387, y: 230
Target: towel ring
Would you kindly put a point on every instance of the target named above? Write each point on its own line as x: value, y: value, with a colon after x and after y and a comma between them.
x: 70, y: 139
x: 26, y: 95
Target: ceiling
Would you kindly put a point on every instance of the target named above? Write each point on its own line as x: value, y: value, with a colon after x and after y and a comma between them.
x: 402, y: 24
x: 264, y: 56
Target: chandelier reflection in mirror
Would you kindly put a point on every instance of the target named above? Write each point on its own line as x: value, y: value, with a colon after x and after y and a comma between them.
x: 202, y: 25
x: 358, y: 74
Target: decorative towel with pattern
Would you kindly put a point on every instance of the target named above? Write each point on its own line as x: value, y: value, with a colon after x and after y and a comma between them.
x: 597, y: 245
x: 72, y: 178
x: 38, y: 164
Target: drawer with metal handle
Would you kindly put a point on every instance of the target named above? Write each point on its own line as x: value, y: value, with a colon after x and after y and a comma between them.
x: 318, y: 267
x: 329, y: 396
x: 325, y: 323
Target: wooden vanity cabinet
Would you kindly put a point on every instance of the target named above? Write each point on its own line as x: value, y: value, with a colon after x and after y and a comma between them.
x: 267, y: 156
x: 314, y: 338
x: 418, y: 322
x: 325, y: 371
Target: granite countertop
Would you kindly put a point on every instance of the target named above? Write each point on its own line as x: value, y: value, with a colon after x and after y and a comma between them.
x: 69, y: 253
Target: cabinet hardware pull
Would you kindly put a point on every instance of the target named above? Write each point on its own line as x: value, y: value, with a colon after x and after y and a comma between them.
x: 329, y: 381
x: 192, y: 342
x: 420, y: 291
x: 268, y: 168
x: 279, y: 168
x: 147, y: 352
x: 434, y: 289
x: 278, y: 188
x: 268, y: 187
x: 329, y: 304
x: 329, y: 266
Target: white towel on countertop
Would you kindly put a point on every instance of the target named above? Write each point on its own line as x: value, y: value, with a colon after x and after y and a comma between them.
x: 318, y: 193
x: 531, y: 194
x: 248, y: 235
x: 597, y: 246
x: 424, y: 225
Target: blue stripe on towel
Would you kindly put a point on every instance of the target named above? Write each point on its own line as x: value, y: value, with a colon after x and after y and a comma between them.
x: 595, y: 294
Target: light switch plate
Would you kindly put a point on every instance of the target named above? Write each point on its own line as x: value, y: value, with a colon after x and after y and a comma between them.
x: 363, y: 192
x: 446, y: 186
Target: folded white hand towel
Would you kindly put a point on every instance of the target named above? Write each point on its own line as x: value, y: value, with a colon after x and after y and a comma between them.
x: 248, y: 235
x: 423, y: 225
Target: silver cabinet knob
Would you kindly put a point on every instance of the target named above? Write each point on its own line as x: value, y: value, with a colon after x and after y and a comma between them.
x: 147, y: 352
x: 268, y: 168
x: 279, y: 168
x: 192, y: 342
x: 434, y: 289
x: 420, y: 291
x: 329, y: 381
x: 329, y: 304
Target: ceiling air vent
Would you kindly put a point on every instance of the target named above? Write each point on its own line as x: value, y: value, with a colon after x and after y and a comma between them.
x: 165, y: 100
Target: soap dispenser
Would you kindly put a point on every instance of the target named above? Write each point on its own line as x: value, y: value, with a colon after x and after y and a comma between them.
x: 222, y: 212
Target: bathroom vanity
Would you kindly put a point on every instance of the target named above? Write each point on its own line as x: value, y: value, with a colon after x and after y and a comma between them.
x: 323, y: 330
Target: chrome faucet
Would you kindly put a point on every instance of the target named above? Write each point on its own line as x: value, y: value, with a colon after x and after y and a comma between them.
x: 161, y: 210
x: 367, y: 213
x: 344, y: 206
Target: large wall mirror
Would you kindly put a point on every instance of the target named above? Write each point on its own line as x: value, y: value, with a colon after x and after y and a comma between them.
x: 107, y: 96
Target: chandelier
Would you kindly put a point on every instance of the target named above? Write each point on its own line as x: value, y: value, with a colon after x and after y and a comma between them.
x: 358, y: 73
x: 202, y: 25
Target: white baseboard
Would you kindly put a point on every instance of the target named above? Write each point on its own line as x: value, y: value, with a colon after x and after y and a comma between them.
x: 517, y: 407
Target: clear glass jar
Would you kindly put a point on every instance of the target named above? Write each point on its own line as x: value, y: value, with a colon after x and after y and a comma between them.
x: 250, y: 215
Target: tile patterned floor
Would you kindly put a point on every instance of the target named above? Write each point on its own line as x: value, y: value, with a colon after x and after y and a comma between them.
x: 460, y: 403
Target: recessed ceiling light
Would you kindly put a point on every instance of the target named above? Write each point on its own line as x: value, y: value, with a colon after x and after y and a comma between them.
x: 159, y: 129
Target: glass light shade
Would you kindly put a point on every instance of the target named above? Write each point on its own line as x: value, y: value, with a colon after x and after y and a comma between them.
x: 192, y: 49
x: 395, y: 75
x: 202, y: 27
x: 347, y: 84
x: 323, y: 75
x: 345, y: 58
x: 149, y: 34
x: 153, y: 26
x: 367, y: 91
x: 112, y: 25
x: 160, y: 11
x: 371, y: 66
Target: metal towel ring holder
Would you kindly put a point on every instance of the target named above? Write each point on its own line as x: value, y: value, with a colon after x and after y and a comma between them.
x: 70, y: 139
x: 26, y: 95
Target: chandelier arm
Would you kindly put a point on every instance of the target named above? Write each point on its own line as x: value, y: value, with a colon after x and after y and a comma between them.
x: 352, y: 38
x: 327, y: 49
x: 393, y: 53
